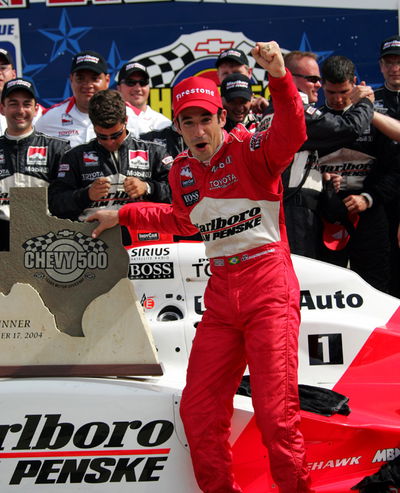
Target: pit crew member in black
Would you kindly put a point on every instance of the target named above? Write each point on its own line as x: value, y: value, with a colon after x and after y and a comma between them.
x: 303, y: 180
x: 27, y: 158
x: 237, y: 97
x: 112, y: 169
x: 369, y: 176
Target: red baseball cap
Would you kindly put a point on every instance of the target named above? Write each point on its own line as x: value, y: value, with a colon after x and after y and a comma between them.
x: 196, y: 91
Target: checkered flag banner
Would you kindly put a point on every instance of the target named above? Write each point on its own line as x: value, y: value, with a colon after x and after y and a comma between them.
x: 91, y: 244
x: 164, y: 67
x: 39, y: 243
x: 165, y: 64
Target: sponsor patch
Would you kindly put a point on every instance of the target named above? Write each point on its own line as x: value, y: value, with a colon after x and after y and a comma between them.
x: 311, y: 110
x: 223, y: 182
x: 167, y: 161
x: 66, y: 119
x: 191, y: 198
x: 90, y: 158
x: 152, y: 270
x: 139, y: 159
x: 63, y: 167
x: 2, y: 157
x: 148, y: 236
x: 36, y: 156
x: 187, y: 179
x: 255, y: 141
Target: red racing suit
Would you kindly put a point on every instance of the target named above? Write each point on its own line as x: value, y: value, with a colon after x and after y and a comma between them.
x: 252, y: 297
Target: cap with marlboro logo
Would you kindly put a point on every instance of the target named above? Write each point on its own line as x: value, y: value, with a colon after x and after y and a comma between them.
x: 196, y: 91
x: 129, y: 68
x: 390, y: 46
x: 236, y: 86
x: 7, y: 56
x: 233, y: 55
x: 89, y: 60
x: 17, y: 85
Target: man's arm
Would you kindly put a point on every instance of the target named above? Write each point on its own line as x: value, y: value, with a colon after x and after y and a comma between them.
x: 327, y: 130
x: 287, y: 132
x: 387, y: 125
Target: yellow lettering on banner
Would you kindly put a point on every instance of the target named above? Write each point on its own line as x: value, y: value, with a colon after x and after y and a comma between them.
x: 257, y: 89
x: 160, y: 100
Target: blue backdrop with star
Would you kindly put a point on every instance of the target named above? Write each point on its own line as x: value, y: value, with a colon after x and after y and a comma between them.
x: 50, y: 36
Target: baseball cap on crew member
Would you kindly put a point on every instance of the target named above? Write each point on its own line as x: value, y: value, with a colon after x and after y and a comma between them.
x: 17, y: 84
x: 196, y: 91
x: 89, y: 60
x: 390, y: 46
x: 7, y: 56
x: 234, y: 55
x: 129, y: 68
x: 236, y: 86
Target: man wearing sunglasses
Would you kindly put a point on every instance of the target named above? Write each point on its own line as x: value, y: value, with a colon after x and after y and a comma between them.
x: 70, y: 118
x: 110, y: 170
x: 134, y: 85
x: 303, y: 180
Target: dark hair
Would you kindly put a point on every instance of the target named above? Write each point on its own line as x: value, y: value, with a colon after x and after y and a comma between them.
x: 107, y: 108
x: 293, y: 58
x: 338, y: 69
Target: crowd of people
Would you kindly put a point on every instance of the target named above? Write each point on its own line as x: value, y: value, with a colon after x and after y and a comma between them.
x: 340, y: 192
x: 233, y: 168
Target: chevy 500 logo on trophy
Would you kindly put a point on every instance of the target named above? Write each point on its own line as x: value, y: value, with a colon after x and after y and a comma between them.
x: 65, y: 256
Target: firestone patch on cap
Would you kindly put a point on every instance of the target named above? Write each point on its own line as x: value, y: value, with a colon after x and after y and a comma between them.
x: 196, y: 92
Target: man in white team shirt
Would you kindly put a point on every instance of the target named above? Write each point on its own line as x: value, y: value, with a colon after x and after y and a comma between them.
x: 70, y: 118
x: 134, y: 85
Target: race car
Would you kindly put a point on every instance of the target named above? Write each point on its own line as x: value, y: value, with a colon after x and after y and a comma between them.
x: 121, y: 435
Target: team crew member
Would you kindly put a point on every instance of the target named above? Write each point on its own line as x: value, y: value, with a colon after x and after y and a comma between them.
x: 228, y: 187
x: 70, y: 118
x: 369, y: 172
x: 302, y: 180
x: 234, y: 61
x: 112, y: 169
x: 27, y: 158
x: 236, y: 97
x: 134, y: 85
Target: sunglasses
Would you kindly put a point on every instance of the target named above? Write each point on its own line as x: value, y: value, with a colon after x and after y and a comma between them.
x: 132, y: 82
x: 310, y: 78
x: 113, y: 136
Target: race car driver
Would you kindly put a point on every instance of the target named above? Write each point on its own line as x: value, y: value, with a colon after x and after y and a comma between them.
x: 27, y: 158
x: 228, y: 187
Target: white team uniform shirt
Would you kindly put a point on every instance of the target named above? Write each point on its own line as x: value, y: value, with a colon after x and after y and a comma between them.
x: 3, y: 121
x: 148, y: 120
x: 65, y: 121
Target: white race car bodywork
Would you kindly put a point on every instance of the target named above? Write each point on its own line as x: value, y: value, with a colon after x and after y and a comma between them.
x: 124, y: 435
